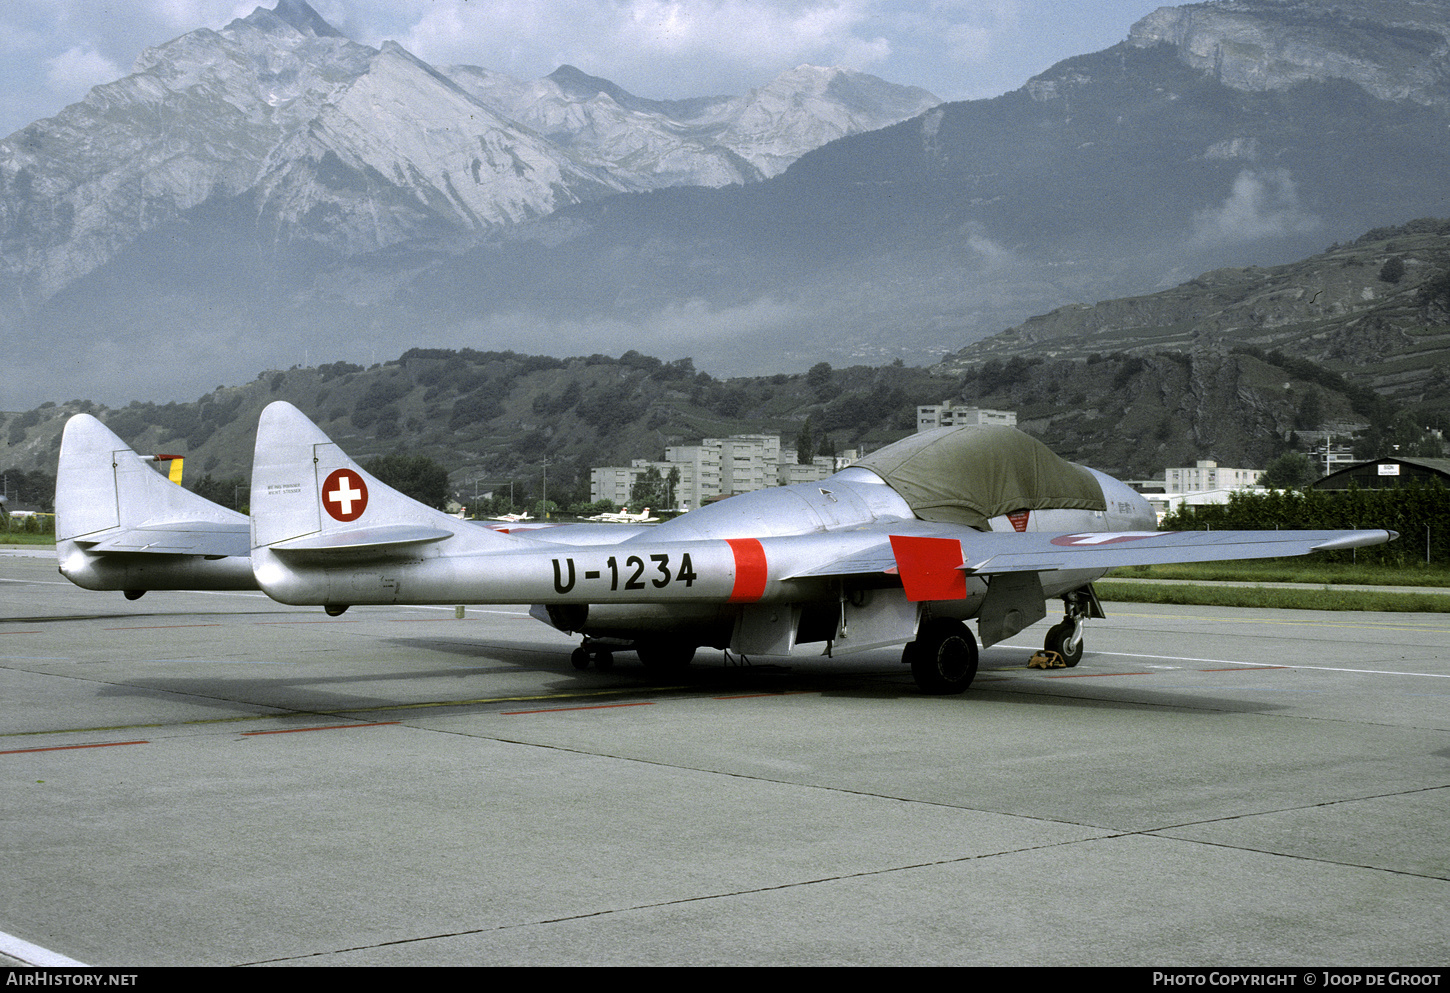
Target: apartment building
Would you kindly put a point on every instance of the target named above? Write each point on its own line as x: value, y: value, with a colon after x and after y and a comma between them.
x: 950, y: 415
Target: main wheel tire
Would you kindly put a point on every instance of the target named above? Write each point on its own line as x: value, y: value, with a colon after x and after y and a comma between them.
x: 579, y: 658
x: 665, y: 656
x: 1058, y: 638
x: 943, y: 657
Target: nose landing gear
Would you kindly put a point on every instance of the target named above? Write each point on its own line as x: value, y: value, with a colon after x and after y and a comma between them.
x: 1065, y: 638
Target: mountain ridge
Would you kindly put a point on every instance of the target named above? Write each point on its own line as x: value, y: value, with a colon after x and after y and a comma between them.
x: 1185, y: 387
x: 415, y: 151
x: 1368, y: 310
x: 1111, y: 174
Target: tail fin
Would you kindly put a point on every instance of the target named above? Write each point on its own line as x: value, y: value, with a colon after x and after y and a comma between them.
x: 309, y: 497
x: 119, y: 524
x: 102, y: 486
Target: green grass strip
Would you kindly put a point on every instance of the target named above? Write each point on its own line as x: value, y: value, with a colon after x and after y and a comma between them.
x: 1260, y: 596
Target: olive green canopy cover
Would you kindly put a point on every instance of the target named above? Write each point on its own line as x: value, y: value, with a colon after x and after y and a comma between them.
x: 968, y: 475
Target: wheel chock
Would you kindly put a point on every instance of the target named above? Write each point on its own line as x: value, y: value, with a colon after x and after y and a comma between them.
x: 1046, y: 660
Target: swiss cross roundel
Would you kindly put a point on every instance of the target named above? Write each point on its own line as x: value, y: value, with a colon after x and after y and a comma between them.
x: 345, y: 495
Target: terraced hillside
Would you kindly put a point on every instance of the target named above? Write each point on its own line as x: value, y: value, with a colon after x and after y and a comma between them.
x: 1376, y: 310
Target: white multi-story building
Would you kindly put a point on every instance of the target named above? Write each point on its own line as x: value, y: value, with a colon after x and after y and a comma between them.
x: 792, y: 472
x: 612, y: 483
x: 704, y: 473
x: 716, y: 467
x: 747, y: 462
x: 1208, y: 475
x: 950, y: 415
x: 616, y: 482
x: 1330, y: 453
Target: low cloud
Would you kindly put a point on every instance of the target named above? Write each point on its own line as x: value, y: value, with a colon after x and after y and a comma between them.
x: 79, y: 68
x: 659, y: 48
x: 1264, y: 203
x: 708, y: 332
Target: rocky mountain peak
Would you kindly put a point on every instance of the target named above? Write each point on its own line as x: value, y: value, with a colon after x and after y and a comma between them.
x: 353, y: 149
x: 578, y: 83
x: 1393, y: 49
x: 301, y: 16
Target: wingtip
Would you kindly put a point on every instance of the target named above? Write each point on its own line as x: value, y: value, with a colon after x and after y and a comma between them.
x: 1357, y: 539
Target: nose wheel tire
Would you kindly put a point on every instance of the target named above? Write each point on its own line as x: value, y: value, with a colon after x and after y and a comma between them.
x: 1065, y: 640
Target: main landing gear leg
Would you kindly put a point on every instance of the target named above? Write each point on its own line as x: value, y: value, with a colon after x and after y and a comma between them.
x: 1065, y: 638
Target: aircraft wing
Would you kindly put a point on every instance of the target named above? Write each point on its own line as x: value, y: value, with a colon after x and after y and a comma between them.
x: 934, y: 559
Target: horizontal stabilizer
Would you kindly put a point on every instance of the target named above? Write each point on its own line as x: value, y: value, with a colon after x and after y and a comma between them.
x: 379, y: 538
x: 174, y: 538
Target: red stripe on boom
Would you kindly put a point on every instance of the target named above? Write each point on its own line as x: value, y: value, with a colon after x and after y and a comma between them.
x: 749, y: 570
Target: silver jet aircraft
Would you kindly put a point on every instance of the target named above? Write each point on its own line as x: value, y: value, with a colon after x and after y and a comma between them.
x: 899, y: 549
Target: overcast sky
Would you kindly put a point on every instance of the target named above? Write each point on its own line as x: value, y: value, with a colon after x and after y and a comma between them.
x: 53, y: 51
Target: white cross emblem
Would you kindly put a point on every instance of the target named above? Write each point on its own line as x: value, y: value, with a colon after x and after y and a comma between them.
x: 345, y: 495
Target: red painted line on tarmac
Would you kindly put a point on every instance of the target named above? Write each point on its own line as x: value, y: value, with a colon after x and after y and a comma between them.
x: 66, y: 748
x: 330, y: 620
x: 754, y: 696
x: 749, y: 570
x: 556, y: 710
x: 329, y: 727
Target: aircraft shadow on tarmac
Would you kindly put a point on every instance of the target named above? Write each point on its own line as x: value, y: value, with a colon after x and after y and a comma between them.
x: 711, y: 669
x: 877, y: 674
x: 869, y: 674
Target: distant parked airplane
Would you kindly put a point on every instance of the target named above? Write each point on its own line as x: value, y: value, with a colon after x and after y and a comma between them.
x: 624, y: 517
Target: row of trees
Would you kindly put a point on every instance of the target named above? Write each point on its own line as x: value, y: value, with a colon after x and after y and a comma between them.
x: 1419, y: 512
x: 30, y: 488
x: 27, y: 523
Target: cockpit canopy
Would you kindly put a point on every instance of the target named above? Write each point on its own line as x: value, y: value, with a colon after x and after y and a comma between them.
x: 968, y: 475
